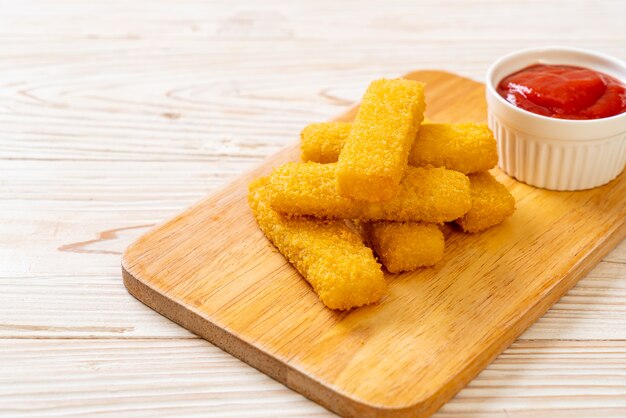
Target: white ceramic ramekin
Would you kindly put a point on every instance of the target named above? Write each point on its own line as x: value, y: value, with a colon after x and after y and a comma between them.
x: 556, y: 154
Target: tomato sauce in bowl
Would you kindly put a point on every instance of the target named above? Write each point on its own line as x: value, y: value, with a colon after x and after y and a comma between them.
x: 564, y: 92
x: 559, y: 116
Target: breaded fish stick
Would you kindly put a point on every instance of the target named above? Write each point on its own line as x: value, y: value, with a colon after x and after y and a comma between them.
x: 375, y: 155
x: 404, y: 246
x: 466, y: 147
x: 492, y: 203
x: 427, y: 194
x: 330, y: 256
x: 322, y: 142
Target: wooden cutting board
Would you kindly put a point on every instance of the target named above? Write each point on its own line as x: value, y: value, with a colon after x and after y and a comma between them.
x: 212, y: 271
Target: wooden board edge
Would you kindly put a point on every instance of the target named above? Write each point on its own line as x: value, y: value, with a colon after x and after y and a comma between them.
x: 418, y: 75
x: 328, y: 397
x: 534, y: 312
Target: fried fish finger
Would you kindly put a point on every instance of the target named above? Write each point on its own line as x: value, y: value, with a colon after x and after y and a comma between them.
x: 330, y: 256
x: 492, y: 203
x: 466, y: 147
x: 322, y: 142
x: 404, y: 246
x: 427, y: 194
x: 375, y: 155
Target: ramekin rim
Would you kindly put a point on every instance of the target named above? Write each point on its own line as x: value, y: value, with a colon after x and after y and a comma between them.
x: 557, y: 121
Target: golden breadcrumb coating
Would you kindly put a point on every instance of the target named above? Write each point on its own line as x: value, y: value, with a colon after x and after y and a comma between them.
x: 322, y: 142
x: 492, y: 203
x: 404, y: 246
x: 427, y: 194
x: 466, y: 147
x: 330, y: 256
x: 375, y: 155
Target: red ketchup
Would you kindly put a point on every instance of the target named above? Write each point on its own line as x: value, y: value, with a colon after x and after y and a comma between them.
x: 564, y: 92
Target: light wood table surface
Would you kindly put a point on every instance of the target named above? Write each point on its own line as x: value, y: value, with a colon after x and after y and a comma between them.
x: 115, y: 115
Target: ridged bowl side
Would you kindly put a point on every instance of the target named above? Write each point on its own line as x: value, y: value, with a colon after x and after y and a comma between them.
x: 558, y: 165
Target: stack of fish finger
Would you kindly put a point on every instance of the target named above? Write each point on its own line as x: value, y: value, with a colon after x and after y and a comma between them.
x: 378, y: 189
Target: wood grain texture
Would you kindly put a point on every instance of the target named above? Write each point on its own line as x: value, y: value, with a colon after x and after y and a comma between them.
x: 148, y: 377
x: 211, y: 270
x: 119, y: 114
